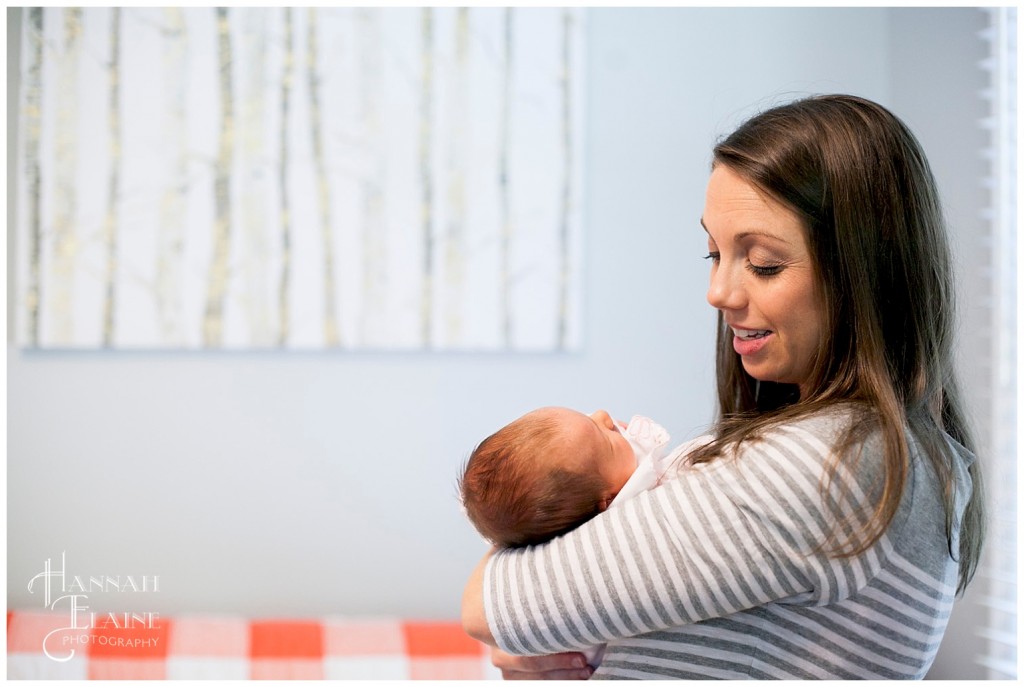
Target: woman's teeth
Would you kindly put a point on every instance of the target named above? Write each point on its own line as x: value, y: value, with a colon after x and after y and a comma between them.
x: 751, y: 333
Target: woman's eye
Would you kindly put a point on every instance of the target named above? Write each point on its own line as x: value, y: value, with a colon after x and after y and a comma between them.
x: 765, y: 270
x: 713, y: 256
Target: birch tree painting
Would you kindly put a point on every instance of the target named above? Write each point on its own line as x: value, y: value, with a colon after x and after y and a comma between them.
x: 300, y: 178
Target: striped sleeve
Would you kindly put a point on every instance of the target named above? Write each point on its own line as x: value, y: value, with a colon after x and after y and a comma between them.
x: 719, y: 538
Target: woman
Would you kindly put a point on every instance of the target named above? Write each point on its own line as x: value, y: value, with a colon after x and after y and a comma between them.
x: 827, y: 529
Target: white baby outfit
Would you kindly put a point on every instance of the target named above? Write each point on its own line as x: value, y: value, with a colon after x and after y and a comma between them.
x: 653, y: 456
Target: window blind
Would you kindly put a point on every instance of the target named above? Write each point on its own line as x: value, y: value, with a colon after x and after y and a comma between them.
x: 999, y: 569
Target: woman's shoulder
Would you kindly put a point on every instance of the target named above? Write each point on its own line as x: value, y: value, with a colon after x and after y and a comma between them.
x: 828, y: 425
x: 822, y: 437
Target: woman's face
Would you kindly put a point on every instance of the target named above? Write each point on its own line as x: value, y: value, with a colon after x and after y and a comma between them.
x: 762, y: 280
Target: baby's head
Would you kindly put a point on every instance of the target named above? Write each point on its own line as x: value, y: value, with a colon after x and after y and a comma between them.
x: 544, y: 474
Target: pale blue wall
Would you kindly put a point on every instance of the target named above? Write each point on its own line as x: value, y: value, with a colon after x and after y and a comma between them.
x: 301, y: 484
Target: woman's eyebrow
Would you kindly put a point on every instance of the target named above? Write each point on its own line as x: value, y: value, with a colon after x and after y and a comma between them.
x: 753, y: 232
x: 759, y: 232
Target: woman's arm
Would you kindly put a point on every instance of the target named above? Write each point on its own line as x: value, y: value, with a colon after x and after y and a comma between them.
x: 563, y: 666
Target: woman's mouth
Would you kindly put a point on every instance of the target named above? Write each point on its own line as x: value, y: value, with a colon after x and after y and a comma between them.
x: 750, y: 334
x: 749, y: 341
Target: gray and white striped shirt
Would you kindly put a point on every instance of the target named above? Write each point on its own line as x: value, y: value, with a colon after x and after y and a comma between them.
x: 720, y: 572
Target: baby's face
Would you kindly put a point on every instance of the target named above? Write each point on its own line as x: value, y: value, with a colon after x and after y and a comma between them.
x: 596, y: 446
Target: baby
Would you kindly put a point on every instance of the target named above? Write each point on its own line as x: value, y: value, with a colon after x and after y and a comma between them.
x: 555, y: 468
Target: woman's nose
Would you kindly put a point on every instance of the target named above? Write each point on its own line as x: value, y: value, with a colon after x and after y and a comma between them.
x: 725, y: 291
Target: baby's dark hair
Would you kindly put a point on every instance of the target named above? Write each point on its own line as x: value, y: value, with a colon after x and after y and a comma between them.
x: 513, y: 499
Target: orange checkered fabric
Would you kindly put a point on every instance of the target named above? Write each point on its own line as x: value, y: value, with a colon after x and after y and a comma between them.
x: 218, y: 647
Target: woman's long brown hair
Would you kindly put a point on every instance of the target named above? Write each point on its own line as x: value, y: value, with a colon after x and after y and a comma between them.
x: 857, y: 177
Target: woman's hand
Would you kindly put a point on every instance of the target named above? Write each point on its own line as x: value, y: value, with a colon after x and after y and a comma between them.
x: 474, y: 617
x: 569, y: 666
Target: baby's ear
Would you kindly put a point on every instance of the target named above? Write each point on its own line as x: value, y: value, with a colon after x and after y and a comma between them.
x: 605, y: 502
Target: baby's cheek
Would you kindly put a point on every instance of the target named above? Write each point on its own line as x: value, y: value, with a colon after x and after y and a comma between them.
x: 629, y: 461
